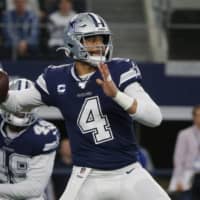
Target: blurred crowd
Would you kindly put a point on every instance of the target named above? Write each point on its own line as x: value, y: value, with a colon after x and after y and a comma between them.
x: 185, y: 181
x: 34, y: 28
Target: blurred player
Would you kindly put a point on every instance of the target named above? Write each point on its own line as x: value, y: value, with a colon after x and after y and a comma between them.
x: 99, y: 97
x: 27, y: 152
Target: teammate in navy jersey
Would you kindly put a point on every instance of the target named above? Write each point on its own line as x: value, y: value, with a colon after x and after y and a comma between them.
x: 27, y: 152
x: 99, y: 98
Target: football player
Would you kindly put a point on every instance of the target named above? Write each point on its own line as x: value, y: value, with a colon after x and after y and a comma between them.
x: 99, y: 98
x: 27, y: 151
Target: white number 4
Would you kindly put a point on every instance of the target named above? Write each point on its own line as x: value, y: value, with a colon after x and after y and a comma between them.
x: 92, y: 120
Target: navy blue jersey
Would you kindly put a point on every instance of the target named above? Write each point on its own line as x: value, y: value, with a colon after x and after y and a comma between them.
x: 40, y: 138
x: 100, y: 131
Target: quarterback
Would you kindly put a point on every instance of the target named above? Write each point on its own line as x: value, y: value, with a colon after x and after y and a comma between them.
x: 27, y: 152
x: 99, y: 98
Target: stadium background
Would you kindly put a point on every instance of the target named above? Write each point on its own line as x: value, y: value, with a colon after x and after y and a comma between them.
x: 162, y: 36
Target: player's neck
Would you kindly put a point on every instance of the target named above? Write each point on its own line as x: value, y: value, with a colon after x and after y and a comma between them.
x: 84, y: 68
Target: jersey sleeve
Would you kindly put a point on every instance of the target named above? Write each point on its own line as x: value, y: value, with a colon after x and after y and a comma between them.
x: 43, y: 84
x: 47, y: 137
x: 129, y: 73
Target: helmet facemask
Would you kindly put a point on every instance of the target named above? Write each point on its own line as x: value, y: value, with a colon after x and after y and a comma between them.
x: 94, y: 55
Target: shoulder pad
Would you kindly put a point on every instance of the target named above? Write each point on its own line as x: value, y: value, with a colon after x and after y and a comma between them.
x: 126, y: 71
x: 49, y: 80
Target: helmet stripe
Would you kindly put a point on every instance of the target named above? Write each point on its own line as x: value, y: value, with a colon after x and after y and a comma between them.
x: 97, y: 20
x: 102, y: 22
x: 19, y: 85
x: 27, y: 84
x: 93, y: 18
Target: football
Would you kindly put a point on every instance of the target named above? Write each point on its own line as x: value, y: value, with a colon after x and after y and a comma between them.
x: 4, y: 85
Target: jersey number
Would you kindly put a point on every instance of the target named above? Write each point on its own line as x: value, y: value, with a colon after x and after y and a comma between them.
x: 92, y: 120
x: 43, y: 128
x: 18, y: 165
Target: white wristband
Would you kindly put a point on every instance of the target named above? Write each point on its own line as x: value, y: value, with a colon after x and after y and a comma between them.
x: 123, y: 100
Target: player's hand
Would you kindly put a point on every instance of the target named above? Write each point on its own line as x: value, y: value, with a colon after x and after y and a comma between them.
x: 106, y: 82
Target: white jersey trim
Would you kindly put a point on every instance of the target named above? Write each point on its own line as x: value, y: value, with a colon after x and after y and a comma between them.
x: 127, y: 76
x: 58, y: 66
x: 50, y: 146
x: 42, y: 83
x: 74, y: 75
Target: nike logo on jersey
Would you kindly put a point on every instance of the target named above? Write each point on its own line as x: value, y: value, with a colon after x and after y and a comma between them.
x: 128, y: 172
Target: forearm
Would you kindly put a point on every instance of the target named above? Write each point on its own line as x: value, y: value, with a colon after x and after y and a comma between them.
x: 147, y: 112
x: 17, y: 100
x: 140, y: 106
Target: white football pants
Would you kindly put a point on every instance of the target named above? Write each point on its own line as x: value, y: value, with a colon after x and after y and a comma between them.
x: 129, y: 183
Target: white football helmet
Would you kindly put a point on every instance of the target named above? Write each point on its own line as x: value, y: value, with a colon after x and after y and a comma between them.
x: 84, y: 25
x: 25, y: 117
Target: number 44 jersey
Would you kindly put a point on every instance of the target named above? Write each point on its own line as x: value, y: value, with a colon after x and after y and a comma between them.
x: 15, y: 154
x: 101, y: 133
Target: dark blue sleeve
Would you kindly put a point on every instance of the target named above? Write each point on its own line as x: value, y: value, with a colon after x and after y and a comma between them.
x: 47, y: 137
x: 52, y: 142
x: 129, y: 73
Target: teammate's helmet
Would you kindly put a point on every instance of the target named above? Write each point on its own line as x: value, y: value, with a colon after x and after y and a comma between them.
x: 82, y: 26
x: 25, y: 117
